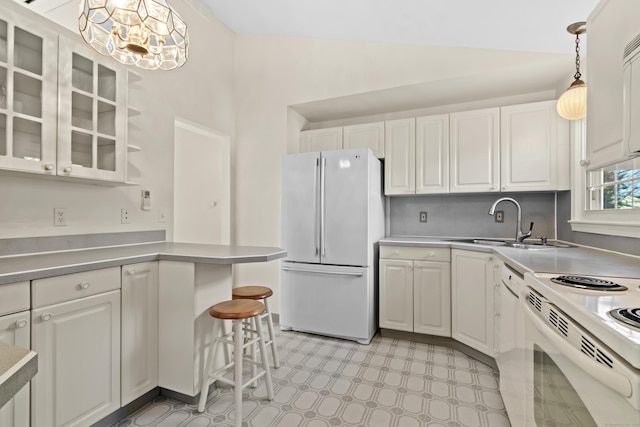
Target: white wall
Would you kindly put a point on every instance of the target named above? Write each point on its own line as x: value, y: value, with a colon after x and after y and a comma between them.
x: 273, y: 73
x: 201, y: 91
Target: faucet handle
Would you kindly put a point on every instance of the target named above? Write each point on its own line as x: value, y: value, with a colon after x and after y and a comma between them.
x: 543, y: 239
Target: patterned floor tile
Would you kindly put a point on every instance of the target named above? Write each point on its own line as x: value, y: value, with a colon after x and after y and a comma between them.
x: 324, y: 382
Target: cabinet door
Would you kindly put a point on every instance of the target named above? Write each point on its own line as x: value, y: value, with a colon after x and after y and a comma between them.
x: 28, y: 78
x: 528, y: 147
x: 396, y: 294
x: 92, y: 115
x: 432, y: 154
x: 399, y: 162
x: 78, y: 346
x: 15, y: 330
x: 611, y: 26
x: 432, y: 298
x: 321, y: 140
x: 139, y: 330
x: 472, y: 277
x: 475, y: 151
x: 368, y: 135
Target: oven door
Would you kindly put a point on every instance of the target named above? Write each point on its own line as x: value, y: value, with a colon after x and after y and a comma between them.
x: 564, y: 387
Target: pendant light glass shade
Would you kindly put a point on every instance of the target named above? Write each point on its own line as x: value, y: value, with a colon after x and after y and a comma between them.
x: 146, y: 33
x: 572, y: 105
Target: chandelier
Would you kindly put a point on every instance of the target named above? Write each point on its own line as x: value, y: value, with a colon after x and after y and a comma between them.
x: 572, y: 105
x: 146, y: 33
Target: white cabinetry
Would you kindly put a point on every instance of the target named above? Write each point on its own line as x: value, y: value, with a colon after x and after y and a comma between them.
x: 15, y: 330
x: 432, y: 154
x: 534, y: 148
x: 368, y: 135
x: 28, y: 79
x: 399, y: 162
x: 76, y: 333
x: 321, y: 140
x: 139, y: 330
x: 475, y: 151
x: 473, y: 278
x: 65, y: 109
x: 415, y: 291
x: 611, y: 26
x: 92, y: 116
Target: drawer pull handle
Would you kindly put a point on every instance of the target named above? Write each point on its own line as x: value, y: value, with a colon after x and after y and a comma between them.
x: 84, y: 285
x: 46, y: 317
x: 21, y: 323
x: 396, y: 253
x: 488, y: 258
x: 431, y: 254
x: 131, y: 272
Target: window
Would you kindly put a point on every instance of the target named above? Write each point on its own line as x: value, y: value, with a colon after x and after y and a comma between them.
x: 614, y: 187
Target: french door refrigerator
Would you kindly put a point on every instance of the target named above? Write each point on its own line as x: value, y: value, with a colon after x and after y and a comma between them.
x: 332, y: 220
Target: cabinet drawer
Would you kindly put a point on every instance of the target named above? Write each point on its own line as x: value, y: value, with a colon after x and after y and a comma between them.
x: 54, y: 290
x: 415, y: 253
x: 14, y: 297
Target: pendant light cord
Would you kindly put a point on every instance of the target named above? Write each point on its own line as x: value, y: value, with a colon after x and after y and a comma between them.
x: 577, y: 75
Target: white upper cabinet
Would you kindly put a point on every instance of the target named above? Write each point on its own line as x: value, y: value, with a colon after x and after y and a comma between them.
x: 399, y: 162
x: 610, y: 26
x: 92, y: 118
x: 475, y: 151
x: 321, y: 140
x: 534, y: 148
x: 64, y: 108
x: 28, y: 79
x: 432, y: 154
x: 368, y: 135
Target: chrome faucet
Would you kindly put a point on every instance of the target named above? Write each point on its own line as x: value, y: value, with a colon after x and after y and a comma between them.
x: 520, y: 236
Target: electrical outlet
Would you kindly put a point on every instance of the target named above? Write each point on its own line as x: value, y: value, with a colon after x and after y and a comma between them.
x: 59, y: 219
x: 162, y: 215
x: 124, y: 216
x: 423, y: 217
x: 499, y: 216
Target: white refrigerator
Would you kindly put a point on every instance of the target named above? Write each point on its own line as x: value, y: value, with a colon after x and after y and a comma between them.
x: 332, y: 220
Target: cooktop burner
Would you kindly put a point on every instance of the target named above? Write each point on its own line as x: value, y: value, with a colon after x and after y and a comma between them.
x: 589, y: 283
x: 629, y: 316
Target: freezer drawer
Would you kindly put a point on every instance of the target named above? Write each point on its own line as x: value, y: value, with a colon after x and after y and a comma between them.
x: 329, y: 300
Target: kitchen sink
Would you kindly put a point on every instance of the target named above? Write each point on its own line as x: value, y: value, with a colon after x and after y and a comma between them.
x: 512, y: 243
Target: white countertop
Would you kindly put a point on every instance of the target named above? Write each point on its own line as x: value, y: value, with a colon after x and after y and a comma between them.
x: 36, y: 266
x: 573, y: 260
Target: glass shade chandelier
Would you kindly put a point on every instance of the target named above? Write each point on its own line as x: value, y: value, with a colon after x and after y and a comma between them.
x: 146, y: 33
x: 572, y: 105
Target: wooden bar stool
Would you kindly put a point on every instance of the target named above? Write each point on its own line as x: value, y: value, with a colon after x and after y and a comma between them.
x: 260, y: 293
x: 236, y: 310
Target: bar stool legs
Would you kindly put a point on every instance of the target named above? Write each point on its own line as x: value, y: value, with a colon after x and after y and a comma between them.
x: 261, y: 293
x: 236, y: 312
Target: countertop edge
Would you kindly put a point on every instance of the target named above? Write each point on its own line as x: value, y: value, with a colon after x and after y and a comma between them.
x: 23, y: 365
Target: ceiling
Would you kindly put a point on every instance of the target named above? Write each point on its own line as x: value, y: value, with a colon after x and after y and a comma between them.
x: 508, y: 25
x: 534, y: 26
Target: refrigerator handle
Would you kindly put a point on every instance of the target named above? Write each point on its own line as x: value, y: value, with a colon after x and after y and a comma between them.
x: 323, y: 171
x: 316, y: 230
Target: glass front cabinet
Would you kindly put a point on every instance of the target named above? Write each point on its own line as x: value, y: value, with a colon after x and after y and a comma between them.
x: 63, y: 107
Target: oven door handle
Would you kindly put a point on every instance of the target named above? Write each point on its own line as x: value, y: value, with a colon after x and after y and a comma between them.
x: 606, y: 376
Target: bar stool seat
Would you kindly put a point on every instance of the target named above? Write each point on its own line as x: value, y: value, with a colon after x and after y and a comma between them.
x: 260, y: 293
x: 236, y: 310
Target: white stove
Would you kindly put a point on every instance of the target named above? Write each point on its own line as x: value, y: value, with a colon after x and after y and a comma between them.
x: 597, y: 311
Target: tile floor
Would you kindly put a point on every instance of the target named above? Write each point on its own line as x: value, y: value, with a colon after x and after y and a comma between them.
x: 330, y: 382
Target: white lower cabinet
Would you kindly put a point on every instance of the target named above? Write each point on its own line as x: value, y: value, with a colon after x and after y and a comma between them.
x: 415, y: 294
x: 14, y: 330
x: 473, y: 279
x: 139, y: 330
x: 78, y: 346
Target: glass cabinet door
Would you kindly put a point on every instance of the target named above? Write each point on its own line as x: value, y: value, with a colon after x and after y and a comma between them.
x: 28, y: 100
x: 92, y: 116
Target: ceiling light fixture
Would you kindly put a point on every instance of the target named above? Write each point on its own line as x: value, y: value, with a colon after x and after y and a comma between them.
x: 572, y: 105
x: 146, y: 33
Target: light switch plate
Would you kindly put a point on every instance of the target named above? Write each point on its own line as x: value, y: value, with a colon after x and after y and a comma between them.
x: 423, y: 217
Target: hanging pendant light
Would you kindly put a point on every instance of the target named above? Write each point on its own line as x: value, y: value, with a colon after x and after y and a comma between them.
x: 146, y: 33
x: 572, y: 105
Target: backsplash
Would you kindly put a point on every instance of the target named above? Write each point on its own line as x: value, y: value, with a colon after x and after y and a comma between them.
x: 466, y: 215
x: 627, y: 245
